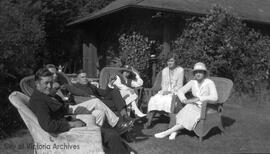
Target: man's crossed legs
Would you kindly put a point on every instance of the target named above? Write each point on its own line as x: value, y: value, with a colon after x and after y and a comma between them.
x: 100, y: 111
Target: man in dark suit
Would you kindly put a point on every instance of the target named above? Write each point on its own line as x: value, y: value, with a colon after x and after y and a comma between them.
x: 111, y: 97
x: 51, y: 110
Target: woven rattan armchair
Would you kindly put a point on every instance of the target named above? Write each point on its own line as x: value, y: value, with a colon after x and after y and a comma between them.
x: 211, y: 113
x: 83, y: 140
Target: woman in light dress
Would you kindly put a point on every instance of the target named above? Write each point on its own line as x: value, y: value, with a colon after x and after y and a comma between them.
x: 171, y: 81
x: 203, y: 90
x: 126, y: 82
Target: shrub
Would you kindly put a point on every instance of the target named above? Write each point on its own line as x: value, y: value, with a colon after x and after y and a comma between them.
x: 227, y: 46
x: 21, y: 38
x: 135, y: 51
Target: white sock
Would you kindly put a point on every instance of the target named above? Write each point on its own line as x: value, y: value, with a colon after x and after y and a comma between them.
x: 136, y: 110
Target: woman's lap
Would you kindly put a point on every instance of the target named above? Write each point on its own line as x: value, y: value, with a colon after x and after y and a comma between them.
x: 160, y: 103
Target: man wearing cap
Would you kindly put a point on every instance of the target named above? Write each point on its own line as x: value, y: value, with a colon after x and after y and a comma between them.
x: 111, y: 97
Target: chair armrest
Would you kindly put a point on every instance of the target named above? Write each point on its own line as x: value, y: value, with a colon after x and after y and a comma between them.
x: 138, y: 91
x: 218, y: 108
x: 80, y: 134
x: 203, y: 111
x: 174, y: 103
x: 87, y: 138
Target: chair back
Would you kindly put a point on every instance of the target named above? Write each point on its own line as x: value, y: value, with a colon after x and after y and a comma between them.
x: 188, y: 75
x: 21, y: 102
x: 157, y: 83
x: 224, y: 87
x: 64, y: 78
x: 27, y: 85
x: 106, y: 73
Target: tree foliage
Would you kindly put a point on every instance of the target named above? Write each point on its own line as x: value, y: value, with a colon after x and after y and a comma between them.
x: 227, y: 46
x: 21, y: 38
x: 135, y: 51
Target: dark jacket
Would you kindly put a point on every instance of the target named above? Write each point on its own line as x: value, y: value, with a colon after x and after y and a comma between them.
x: 88, y: 90
x: 50, y: 112
x: 110, y: 97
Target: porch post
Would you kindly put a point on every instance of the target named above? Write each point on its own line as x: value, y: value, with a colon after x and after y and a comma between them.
x: 90, y: 60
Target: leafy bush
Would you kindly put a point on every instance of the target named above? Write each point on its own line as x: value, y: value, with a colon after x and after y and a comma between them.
x: 21, y: 38
x: 227, y: 46
x: 135, y: 51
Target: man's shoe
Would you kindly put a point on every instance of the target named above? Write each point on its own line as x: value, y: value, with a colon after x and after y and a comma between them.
x: 123, y: 126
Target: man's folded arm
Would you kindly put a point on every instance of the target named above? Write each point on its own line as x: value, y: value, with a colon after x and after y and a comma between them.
x: 76, y: 91
x: 48, y: 124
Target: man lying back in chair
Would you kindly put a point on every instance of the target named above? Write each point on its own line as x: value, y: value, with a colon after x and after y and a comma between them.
x: 51, y: 110
x: 111, y: 97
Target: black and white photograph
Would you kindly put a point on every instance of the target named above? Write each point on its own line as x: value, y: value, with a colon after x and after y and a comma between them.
x: 134, y: 76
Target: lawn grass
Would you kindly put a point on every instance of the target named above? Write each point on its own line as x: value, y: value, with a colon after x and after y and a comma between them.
x: 247, y: 130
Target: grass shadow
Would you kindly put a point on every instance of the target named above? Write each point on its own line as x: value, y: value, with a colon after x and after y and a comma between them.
x: 226, y: 122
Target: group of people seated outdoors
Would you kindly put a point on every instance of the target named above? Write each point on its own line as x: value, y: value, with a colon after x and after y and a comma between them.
x: 58, y: 112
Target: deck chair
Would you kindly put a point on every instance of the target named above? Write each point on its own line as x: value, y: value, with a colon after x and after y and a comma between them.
x: 83, y: 140
x: 27, y: 84
x: 211, y: 113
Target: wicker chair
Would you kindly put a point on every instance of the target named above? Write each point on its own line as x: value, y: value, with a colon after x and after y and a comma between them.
x: 211, y: 113
x: 83, y: 140
x: 27, y: 84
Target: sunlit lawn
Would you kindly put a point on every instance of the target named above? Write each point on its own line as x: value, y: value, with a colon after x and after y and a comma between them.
x: 247, y: 130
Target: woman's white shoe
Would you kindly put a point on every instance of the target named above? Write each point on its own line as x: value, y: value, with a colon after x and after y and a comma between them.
x: 136, y: 110
x: 160, y: 135
x: 172, y: 136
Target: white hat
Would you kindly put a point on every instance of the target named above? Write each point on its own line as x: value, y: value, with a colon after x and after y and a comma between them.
x: 199, y: 67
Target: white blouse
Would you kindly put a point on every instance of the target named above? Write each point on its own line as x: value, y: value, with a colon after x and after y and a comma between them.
x: 205, y: 92
x: 172, y: 80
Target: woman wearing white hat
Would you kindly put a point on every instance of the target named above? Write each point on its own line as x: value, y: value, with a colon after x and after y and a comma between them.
x: 203, y: 89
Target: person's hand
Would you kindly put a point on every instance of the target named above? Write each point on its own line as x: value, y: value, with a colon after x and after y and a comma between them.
x: 76, y: 123
x: 192, y: 100
x: 134, y: 70
x: 131, y: 91
x: 56, y: 85
x: 185, y: 101
x: 70, y: 117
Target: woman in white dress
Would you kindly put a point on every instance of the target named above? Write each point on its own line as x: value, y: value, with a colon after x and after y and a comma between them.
x: 171, y: 81
x: 203, y: 90
x: 126, y: 82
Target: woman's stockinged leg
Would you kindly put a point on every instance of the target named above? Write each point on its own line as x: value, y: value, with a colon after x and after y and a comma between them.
x: 169, y: 131
x: 136, y: 109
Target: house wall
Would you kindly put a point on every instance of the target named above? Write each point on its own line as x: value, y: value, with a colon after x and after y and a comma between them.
x: 149, y: 23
